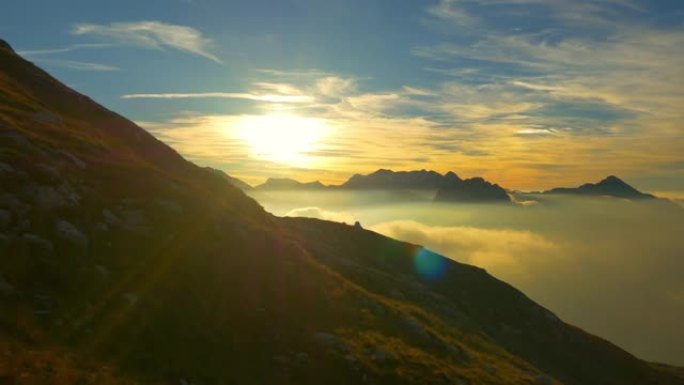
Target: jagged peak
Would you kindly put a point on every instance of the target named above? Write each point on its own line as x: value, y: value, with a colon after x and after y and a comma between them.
x: 476, y: 179
x: 612, y: 179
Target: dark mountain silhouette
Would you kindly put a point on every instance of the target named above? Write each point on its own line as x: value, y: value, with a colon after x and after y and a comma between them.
x: 242, y: 185
x: 610, y: 186
x: 449, y: 187
x: 471, y: 190
x: 122, y: 263
x: 288, y: 184
x: 388, y: 179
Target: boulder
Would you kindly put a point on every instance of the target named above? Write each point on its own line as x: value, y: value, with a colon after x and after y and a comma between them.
x: 6, y: 168
x: 6, y: 289
x: 325, y: 338
x: 416, y: 327
x: 49, y: 118
x: 38, y: 241
x: 110, y: 218
x: 49, y: 198
x: 543, y: 379
x: 68, y: 232
x: 5, y: 218
x: 78, y: 162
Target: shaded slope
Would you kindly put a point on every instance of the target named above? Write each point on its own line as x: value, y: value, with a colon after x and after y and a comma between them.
x: 117, y: 253
x: 468, y: 299
x: 242, y: 185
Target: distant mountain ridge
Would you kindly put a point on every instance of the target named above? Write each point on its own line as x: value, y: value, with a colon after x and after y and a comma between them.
x: 471, y: 190
x: 388, y: 179
x: 609, y: 186
x: 288, y: 184
x: 451, y: 188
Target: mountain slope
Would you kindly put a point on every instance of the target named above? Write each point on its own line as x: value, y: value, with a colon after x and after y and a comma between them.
x: 120, y: 259
x: 242, y: 185
x: 609, y: 186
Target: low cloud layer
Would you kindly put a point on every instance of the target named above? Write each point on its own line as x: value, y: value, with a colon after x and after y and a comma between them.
x: 503, y: 252
x: 622, y: 283
x: 317, y: 212
x: 611, y: 267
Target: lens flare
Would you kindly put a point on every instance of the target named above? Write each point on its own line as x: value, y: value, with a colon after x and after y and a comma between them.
x: 429, y: 265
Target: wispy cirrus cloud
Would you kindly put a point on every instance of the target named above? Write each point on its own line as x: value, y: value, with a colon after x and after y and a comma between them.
x: 46, y: 57
x: 290, y: 74
x: 615, y: 58
x: 53, y: 51
x: 78, y: 65
x: 152, y: 34
x: 270, y: 98
x: 335, y: 86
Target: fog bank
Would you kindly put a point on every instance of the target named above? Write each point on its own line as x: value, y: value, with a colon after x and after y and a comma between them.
x: 613, y: 267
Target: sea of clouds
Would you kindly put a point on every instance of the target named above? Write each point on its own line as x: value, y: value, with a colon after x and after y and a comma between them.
x: 611, y: 266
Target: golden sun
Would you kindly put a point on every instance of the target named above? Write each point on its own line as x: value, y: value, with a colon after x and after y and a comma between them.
x: 282, y: 138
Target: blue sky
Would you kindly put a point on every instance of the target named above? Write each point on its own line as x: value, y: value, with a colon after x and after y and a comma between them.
x: 525, y: 92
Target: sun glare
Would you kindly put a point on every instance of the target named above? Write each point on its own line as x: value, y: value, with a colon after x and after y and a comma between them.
x: 282, y: 138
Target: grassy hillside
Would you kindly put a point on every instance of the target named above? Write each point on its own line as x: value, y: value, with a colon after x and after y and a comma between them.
x: 123, y: 263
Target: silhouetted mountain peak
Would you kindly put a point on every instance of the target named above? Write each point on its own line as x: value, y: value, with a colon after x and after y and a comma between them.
x: 608, y: 186
x: 451, y: 176
x: 389, y: 179
x: 612, y: 180
x: 475, y: 189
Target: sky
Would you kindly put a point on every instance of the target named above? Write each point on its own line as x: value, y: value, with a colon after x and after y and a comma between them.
x: 530, y: 94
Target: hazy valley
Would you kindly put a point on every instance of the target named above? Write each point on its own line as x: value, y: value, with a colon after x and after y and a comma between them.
x: 544, y: 246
